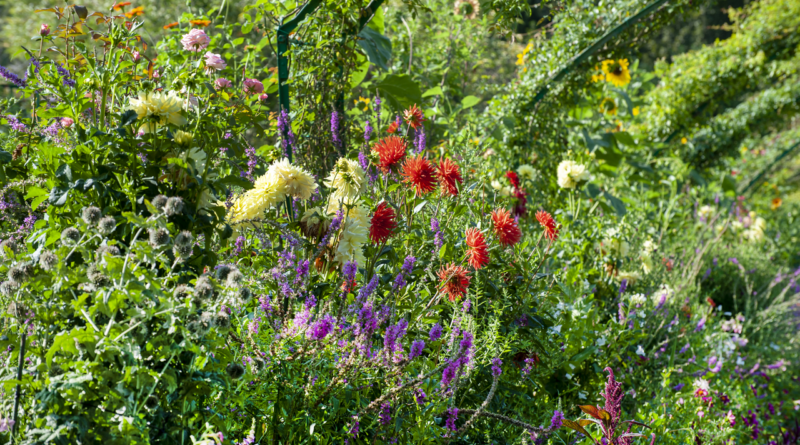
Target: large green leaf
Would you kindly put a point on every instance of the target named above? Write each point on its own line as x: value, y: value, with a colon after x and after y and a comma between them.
x: 377, y: 46
x: 399, y: 90
x: 616, y: 203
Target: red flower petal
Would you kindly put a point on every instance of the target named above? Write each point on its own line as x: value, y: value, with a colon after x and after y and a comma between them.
x: 448, y: 176
x: 477, y: 254
x: 454, y: 280
x: 419, y: 173
x: 505, y: 227
x: 382, y: 224
x: 390, y: 150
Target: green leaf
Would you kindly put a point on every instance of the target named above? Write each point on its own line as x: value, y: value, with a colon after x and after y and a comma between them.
x: 435, y: 91
x: 616, y: 203
x: 5, y: 156
x: 728, y: 184
x: 624, y: 137
x: 64, y: 173
x: 237, y: 181
x: 377, y: 22
x: 128, y: 118
x: 577, y: 427
x: 58, y: 196
x: 419, y: 207
x: 400, y: 89
x: 361, y: 72
x: 470, y: 101
x: 377, y: 46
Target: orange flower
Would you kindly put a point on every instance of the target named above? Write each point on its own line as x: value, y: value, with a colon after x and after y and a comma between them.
x: 419, y: 173
x: 392, y: 127
x: 120, y: 5
x: 505, y: 227
x: 382, y: 224
x: 171, y: 25
x: 414, y: 117
x: 454, y: 281
x: 548, y: 224
x: 776, y: 202
x: 477, y: 254
x: 448, y: 176
x: 139, y: 10
x: 202, y: 23
x: 390, y: 150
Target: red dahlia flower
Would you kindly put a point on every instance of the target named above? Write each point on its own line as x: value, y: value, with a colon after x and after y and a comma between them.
x: 505, y: 227
x: 392, y: 127
x: 513, y: 178
x: 548, y: 224
x: 382, y: 224
x: 477, y: 254
x: 455, y: 281
x: 448, y: 176
x: 414, y: 116
x: 419, y: 173
x: 390, y: 150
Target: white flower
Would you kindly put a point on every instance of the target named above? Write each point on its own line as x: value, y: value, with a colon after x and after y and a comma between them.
x: 267, y: 191
x: 640, y: 351
x: 631, y: 277
x: 351, y: 242
x: 705, y: 212
x: 756, y: 230
x: 601, y: 341
x: 347, y: 179
x: 637, y: 299
x: 496, y: 185
x: 648, y: 247
x: 701, y: 384
x: 571, y: 173
x: 527, y: 171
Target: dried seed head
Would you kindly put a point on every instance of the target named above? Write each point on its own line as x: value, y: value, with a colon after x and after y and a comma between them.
x: 222, y: 271
x: 181, y: 291
x: 17, y: 309
x: 48, y: 260
x: 91, y: 215
x: 159, y: 237
x: 107, y: 225
x: 70, y: 236
x: 8, y: 249
x: 107, y: 250
x: 17, y: 275
x: 159, y: 202
x: 222, y: 320
x: 174, y: 206
x: 182, y: 251
x: 235, y: 279
x: 245, y: 294
x: 184, y: 239
x: 203, y: 288
x: 235, y: 371
x: 96, y: 276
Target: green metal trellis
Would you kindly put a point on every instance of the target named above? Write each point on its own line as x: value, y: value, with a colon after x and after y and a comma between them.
x: 285, y: 29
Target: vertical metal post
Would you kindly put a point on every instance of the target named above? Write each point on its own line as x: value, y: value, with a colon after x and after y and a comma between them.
x: 17, y: 396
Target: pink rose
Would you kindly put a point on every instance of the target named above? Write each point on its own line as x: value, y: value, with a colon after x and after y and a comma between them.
x: 263, y: 97
x: 253, y: 86
x: 66, y: 122
x: 195, y: 41
x: 44, y: 30
x: 215, y: 61
x: 136, y: 56
x: 222, y: 83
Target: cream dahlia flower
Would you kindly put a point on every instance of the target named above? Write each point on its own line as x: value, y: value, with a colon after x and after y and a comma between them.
x: 351, y: 243
x: 297, y: 182
x: 158, y: 108
x: 570, y: 173
x: 266, y: 192
x: 527, y: 171
x: 347, y: 179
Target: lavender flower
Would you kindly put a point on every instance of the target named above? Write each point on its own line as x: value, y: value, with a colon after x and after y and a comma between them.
x: 322, y: 328
x: 16, y: 125
x: 436, y: 332
x: 11, y: 77
x: 420, y: 396
x: 452, y: 416
x: 287, y: 136
x: 367, y: 132
x: 336, y: 222
x: 252, y: 161
x: 367, y: 290
x: 335, y: 130
x: 419, y: 141
x: 678, y: 387
x: 622, y: 286
x: 700, y: 325
x: 416, y: 349
x: 66, y: 76
x: 377, y: 107
x: 496, y: 369
x: 386, y: 413
x: 557, y: 420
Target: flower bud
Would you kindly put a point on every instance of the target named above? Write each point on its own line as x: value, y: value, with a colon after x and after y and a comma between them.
x: 174, y: 206
x: 159, y: 237
x: 48, y: 260
x: 107, y: 225
x: 44, y: 30
x: 107, y: 250
x: 91, y: 215
x: 66, y: 122
x: 184, y: 239
x: 159, y: 202
x: 70, y: 236
x: 245, y: 294
x: 182, y: 252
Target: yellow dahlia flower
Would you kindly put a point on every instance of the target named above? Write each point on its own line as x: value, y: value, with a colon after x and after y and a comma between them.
x: 527, y: 171
x: 160, y: 108
x: 183, y: 138
x: 267, y: 192
x: 351, y: 243
x: 297, y: 182
x: 617, y: 72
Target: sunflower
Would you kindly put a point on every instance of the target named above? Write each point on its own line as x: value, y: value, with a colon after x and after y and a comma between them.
x: 608, y: 106
x: 360, y: 100
x: 617, y: 72
x: 467, y: 8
